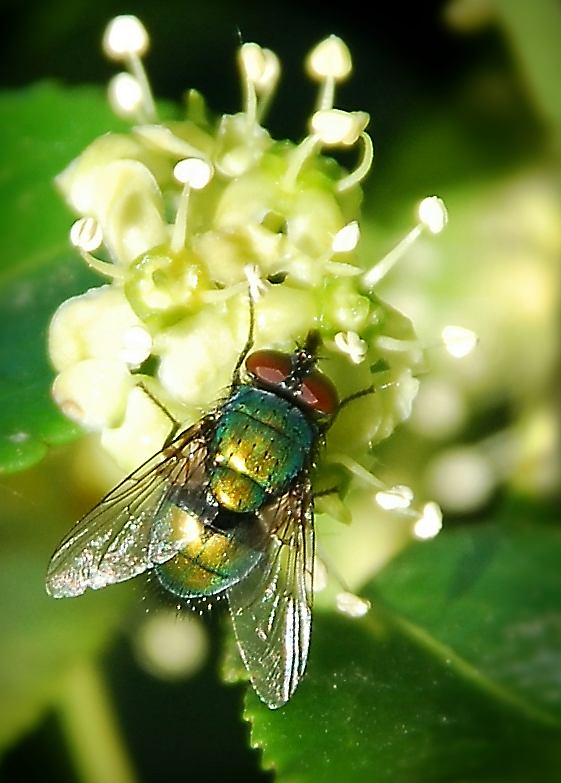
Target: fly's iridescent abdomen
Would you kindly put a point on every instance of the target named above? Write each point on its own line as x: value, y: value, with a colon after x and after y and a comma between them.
x: 260, y: 444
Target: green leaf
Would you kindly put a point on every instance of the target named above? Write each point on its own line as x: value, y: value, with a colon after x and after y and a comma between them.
x: 43, y: 641
x: 453, y: 675
x: 42, y: 129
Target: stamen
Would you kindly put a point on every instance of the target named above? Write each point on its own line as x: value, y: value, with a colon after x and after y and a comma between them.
x: 252, y: 64
x: 395, y: 498
x: 125, y: 95
x: 328, y: 62
x: 260, y: 70
x: 126, y: 40
x: 357, y: 470
x: 125, y: 35
x: 268, y: 82
x: 352, y: 345
x: 194, y: 174
x: 432, y: 217
x: 351, y: 604
x: 334, y: 126
x: 364, y: 166
x: 429, y: 524
x: 305, y: 150
x: 344, y: 241
x: 347, y: 238
x: 433, y: 214
x: 458, y: 340
x: 86, y: 235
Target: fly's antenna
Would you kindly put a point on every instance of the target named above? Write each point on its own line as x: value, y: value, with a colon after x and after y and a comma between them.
x: 313, y: 342
x: 303, y: 361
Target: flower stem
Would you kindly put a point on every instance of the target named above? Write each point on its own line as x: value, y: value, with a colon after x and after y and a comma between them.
x: 89, y: 723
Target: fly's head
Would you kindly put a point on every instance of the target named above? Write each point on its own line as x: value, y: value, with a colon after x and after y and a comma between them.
x: 295, y: 376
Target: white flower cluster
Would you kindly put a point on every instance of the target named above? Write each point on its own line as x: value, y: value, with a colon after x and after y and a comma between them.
x: 182, y: 218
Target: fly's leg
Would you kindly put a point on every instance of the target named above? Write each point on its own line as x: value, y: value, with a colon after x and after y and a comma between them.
x: 176, y: 425
x: 351, y: 398
x: 248, y: 343
x: 357, y: 395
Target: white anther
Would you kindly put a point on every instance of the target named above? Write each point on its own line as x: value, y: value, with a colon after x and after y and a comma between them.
x: 253, y: 62
x: 433, y: 214
x: 429, y: 523
x: 270, y: 73
x: 125, y: 36
x: 351, y: 604
x: 194, y: 172
x: 125, y: 94
x: 347, y: 238
x: 330, y: 58
x: 395, y: 499
x: 334, y: 126
x: 86, y: 234
x: 352, y: 345
x: 458, y: 340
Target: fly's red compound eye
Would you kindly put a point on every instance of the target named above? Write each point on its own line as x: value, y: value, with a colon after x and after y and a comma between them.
x: 270, y: 367
x: 319, y: 393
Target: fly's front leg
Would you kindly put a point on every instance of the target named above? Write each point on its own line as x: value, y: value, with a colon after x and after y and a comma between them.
x: 351, y: 398
x: 248, y: 343
x: 176, y: 425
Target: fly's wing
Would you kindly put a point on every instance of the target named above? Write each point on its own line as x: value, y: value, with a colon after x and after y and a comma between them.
x: 271, y: 608
x: 112, y: 542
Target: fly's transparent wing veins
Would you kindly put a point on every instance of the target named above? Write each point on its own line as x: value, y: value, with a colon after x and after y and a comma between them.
x: 271, y: 608
x: 113, y: 542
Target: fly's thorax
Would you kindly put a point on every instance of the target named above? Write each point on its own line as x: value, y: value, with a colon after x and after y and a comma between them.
x: 260, y: 444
